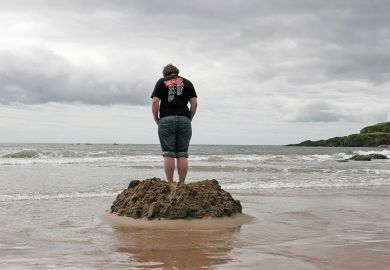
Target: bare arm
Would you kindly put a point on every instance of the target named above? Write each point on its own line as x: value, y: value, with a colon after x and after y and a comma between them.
x: 194, y: 105
x: 155, y: 108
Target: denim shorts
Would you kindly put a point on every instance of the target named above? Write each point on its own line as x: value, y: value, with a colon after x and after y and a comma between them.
x: 174, y: 132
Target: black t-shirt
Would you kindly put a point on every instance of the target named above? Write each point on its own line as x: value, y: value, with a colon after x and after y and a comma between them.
x: 174, y: 92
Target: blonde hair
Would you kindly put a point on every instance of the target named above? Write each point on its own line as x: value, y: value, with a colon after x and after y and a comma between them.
x: 170, y: 69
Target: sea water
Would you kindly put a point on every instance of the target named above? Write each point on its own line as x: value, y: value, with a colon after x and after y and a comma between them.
x: 53, y: 197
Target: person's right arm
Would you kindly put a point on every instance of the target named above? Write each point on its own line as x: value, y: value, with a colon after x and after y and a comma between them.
x: 193, y: 106
x: 156, y: 96
x: 155, y: 108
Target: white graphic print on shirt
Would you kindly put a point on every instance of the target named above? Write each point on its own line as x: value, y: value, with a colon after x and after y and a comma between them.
x: 175, y: 86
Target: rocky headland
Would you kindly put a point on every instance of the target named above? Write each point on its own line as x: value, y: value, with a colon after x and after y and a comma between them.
x: 157, y: 199
x: 372, y: 136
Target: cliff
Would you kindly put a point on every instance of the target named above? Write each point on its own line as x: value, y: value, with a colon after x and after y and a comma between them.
x: 371, y: 136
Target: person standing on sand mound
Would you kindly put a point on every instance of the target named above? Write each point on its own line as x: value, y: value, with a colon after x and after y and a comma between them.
x: 170, y: 99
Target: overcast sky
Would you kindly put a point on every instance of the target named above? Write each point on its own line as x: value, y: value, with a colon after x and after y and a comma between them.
x: 266, y: 72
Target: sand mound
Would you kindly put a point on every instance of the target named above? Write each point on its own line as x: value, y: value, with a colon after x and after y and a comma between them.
x: 154, y: 198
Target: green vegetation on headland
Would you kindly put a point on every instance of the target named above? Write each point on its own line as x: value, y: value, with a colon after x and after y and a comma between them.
x: 371, y: 136
x: 381, y: 127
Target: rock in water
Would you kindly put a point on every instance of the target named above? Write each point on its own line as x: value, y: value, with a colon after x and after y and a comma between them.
x: 361, y: 158
x: 368, y: 157
x: 154, y: 198
x: 377, y: 156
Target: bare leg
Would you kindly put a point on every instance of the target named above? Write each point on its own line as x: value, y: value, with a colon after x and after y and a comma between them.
x: 182, y: 169
x: 169, y: 168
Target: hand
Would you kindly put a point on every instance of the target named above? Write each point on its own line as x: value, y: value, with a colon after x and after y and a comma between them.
x: 157, y: 120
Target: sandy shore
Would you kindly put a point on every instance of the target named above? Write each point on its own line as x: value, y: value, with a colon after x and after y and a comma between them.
x: 310, y: 212
x: 177, y: 244
x: 345, y: 232
x: 286, y: 232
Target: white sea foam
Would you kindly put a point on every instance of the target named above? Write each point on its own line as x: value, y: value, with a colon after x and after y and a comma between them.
x: 75, y: 157
x: 68, y: 160
x: 58, y: 196
x: 271, y: 158
x: 254, y: 185
x: 340, y: 183
x: 383, y: 152
x: 268, y: 157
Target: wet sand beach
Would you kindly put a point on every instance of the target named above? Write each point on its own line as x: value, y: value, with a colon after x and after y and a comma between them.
x: 323, y: 231
x: 287, y: 232
x: 303, y: 210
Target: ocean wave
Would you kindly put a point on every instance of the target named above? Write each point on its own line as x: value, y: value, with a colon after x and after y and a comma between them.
x: 255, y: 159
x: 59, y: 196
x: 31, y: 156
x: 34, y: 154
x: 306, y: 184
x: 274, y: 184
x: 273, y: 158
x: 77, y: 160
x: 232, y: 168
x: 383, y: 152
x: 27, y: 153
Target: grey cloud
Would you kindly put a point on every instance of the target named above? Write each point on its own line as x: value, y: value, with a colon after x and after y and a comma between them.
x: 284, y: 44
x: 316, y: 116
x: 361, y: 62
x: 322, y: 111
x: 310, y: 112
x: 331, y: 39
x: 338, y: 39
x: 301, y: 63
x: 39, y: 76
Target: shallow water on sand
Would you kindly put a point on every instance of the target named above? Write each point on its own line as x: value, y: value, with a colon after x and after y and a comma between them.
x: 310, y: 211
x: 288, y: 232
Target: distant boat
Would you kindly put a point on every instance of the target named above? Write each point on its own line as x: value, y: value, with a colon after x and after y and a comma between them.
x: 115, y: 143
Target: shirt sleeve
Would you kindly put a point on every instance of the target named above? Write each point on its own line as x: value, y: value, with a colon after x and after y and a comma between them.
x: 191, y: 90
x: 157, y: 92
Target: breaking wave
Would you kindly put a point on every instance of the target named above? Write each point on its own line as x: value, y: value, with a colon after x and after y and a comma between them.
x: 31, y: 156
x: 244, y: 186
x: 59, y: 196
x: 306, y: 184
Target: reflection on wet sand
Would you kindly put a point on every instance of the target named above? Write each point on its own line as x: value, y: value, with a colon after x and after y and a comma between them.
x: 176, y: 247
